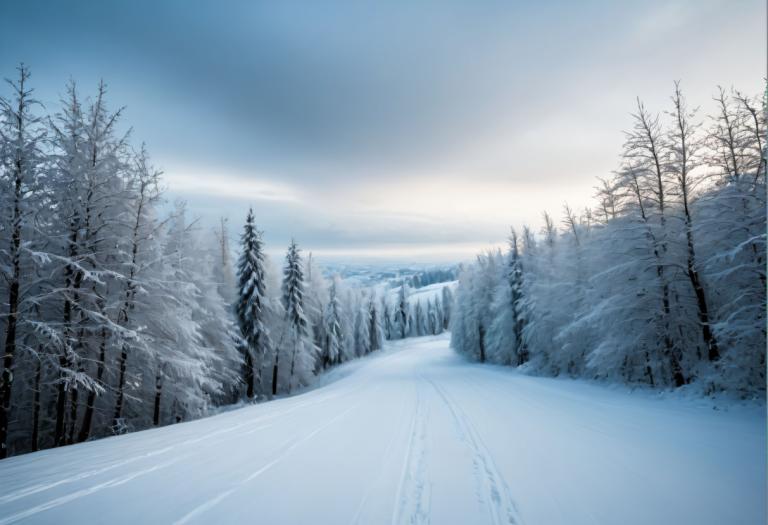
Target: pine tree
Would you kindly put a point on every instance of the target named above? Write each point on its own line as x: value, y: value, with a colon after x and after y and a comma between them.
x: 334, y: 333
x: 401, y: 313
x: 315, y: 299
x: 387, y: 319
x: 297, y: 339
x: 362, y: 330
x: 447, y: 306
x: 374, y: 324
x: 516, y: 297
x: 419, y: 327
x: 252, y: 305
x: 438, y: 316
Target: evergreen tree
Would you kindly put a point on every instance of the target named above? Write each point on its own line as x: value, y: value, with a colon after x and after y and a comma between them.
x: 297, y: 339
x: 252, y: 305
x: 334, y: 333
x: 387, y: 319
x: 362, y: 330
x: 401, y: 313
x: 419, y: 327
x: 374, y: 324
x: 447, y: 302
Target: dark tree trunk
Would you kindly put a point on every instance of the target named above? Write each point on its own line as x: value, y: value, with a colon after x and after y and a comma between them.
x: 120, y: 385
x: 158, y: 395
x: 74, y: 395
x: 648, y: 370
x: 713, y: 352
x: 248, y: 372
x: 669, y: 347
x: 36, y: 408
x: 85, y: 429
x: 65, y: 362
x: 6, y: 380
x: 274, y: 373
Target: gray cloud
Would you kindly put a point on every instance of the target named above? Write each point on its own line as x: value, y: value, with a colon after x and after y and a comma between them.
x: 356, y: 105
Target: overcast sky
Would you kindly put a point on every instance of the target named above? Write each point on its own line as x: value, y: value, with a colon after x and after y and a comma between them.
x: 414, y: 129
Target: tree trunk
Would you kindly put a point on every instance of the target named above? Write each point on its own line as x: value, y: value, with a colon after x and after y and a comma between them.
x: 61, y: 399
x: 249, y: 373
x: 293, y: 367
x: 127, y: 305
x: 74, y: 395
x: 65, y: 362
x: 6, y: 380
x: 36, y: 408
x: 274, y: 373
x: 669, y: 347
x: 158, y: 394
x: 85, y: 429
x: 648, y: 370
x: 120, y: 385
x: 713, y: 352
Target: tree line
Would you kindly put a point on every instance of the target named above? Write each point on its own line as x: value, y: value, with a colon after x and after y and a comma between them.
x: 117, y: 315
x: 662, y: 282
x: 405, y: 318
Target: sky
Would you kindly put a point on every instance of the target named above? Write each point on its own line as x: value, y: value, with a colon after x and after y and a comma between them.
x: 414, y: 130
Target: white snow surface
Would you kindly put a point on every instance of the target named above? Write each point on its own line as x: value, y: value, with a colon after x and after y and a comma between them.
x: 416, y: 434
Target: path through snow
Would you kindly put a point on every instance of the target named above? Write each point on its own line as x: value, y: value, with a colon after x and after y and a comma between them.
x: 415, y: 435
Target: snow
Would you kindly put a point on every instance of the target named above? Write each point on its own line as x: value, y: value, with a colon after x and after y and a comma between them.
x: 426, y: 293
x: 416, y: 434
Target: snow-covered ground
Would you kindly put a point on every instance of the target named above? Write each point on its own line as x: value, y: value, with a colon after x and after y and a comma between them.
x: 415, y: 434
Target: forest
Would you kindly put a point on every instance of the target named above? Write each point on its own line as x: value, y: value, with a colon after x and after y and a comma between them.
x: 661, y: 283
x: 121, y: 313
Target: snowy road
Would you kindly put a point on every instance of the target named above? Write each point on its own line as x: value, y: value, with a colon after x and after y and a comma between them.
x: 415, y: 435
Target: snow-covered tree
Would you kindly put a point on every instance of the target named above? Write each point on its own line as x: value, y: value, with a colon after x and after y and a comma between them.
x: 252, y: 305
x: 664, y: 284
x: 22, y: 163
x: 447, y: 303
x: 386, y: 316
x: 401, y: 314
x: 316, y: 299
x: 296, y: 342
x: 334, y: 332
x: 362, y: 328
x: 375, y: 332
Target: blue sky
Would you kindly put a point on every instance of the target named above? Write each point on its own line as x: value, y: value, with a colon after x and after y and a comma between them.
x: 413, y: 130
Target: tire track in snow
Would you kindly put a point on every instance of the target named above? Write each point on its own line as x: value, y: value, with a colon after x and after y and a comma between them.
x: 286, y: 452
x: 412, y: 501
x: 494, y: 492
x: 250, y: 427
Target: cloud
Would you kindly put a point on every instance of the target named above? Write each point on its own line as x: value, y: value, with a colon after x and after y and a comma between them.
x: 364, y: 124
x: 213, y: 183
